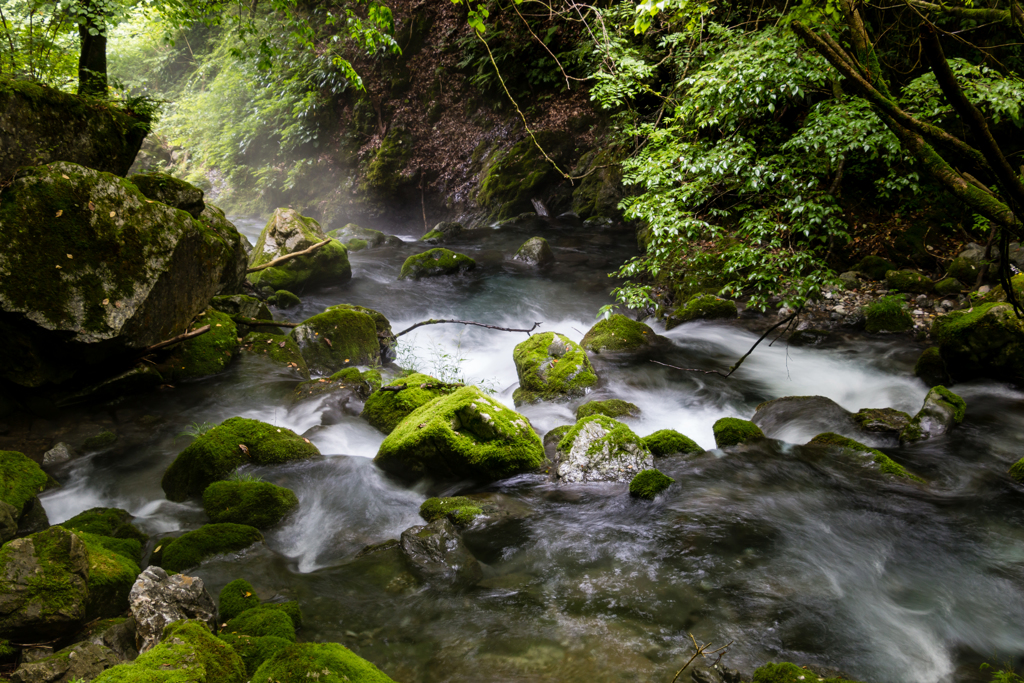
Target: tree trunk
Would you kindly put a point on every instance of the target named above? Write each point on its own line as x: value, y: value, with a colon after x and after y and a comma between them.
x: 92, y: 61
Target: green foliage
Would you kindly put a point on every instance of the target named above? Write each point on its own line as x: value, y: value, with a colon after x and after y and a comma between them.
x: 1004, y: 674
x: 197, y: 429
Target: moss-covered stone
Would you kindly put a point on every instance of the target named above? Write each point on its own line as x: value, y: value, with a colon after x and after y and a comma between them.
x: 284, y: 299
x: 193, y: 547
x: 99, y: 441
x: 459, y: 510
x: 323, y: 662
x: 254, y: 650
x: 111, y: 576
x: 883, y: 420
x: 349, y: 233
x: 435, y: 262
x: 785, y: 672
x: 887, y: 314
x: 465, y: 435
x: 648, y: 484
x: 114, y: 527
x: 207, y: 354
x: 551, y: 367
x: 613, y: 407
x: 885, y: 464
x: 908, y: 281
x: 285, y: 233
x: 362, y: 383
x: 382, y: 172
x: 512, y: 178
x: 963, y: 270
x: 618, y: 333
x: 443, y: 232
x: 931, y: 368
x: 357, y: 245
x: 535, y: 252
x: 875, y: 267
x: 987, y: 340
x: 949, y: 286
x: 241, y: 307
x: 702, y: 307
x: 235, y: 442
x: 598, y: 448
x: 235, y: 598
x: 257, y: 503
x: 731, y: 431
x: 342, y: 336
x: 278, y: 348
x: 1017, y: 471
x: 171, y: 191
x: 670, y: 442
x: 262, y: 621
x: 942, y: 410
x: 386, y: 409
x: 21, y: 480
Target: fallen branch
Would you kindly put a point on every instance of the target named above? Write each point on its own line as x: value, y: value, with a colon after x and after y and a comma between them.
x: 701, y: 652
x: 466, y: 322
x: 281, y: 259
x: 174, y: 340
x: 429, y: 385
x: 253, y: 322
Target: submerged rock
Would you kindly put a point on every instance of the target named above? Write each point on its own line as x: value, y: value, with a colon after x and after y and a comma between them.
x: 881, y: 420
x: 732, y: 431
x: 168, y: 190
x: 987, y: 340
x: 286, y: 232
x: 670, y: 442
x: 256, y: 503
x: 618, y: 333
x: 598, y: 448
x: 813, y: 412
x: 294, y: 664
x: 942, y: 410
x: 649, y: 483
x: 551, y: 367
x: 535, y: 252
x: 188, y: 651
x: 342, y: 336
x: 385, y: 409
x: 435, y: 262
x: 885, y: 464
x: 436, y: 553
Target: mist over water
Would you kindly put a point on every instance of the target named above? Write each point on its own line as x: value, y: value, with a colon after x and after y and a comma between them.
x: 790, y: 552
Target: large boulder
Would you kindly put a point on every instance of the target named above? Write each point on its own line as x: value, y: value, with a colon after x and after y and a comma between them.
x: 158, y: 600
x: 235, y: 442
x: 465, y: 435
x: 435, y: 552
x: 168, y: 190
x: 305, y: 662
x: 385, y: 409
x: 286, y: 232
x: 942, y: 410
x: 45, y: 585
x: 598, y: 448
x: 551, y: 367
x: 618, y: 333
x: 79, y: 662
x: 986, y: 340
x: 257, y: 503
x: 93, y: 271
x: 435, y: 262
x: 187, y: 653
x: 535, y: 252
x: 342, y: 336
x: 112, y: 571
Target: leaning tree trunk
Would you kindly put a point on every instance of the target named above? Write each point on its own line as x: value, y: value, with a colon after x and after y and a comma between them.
x: 92, y: 60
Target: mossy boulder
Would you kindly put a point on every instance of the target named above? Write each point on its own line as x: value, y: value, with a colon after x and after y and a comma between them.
x: 207, y: 354
x: 93, y: 271
x: 618, y: 333
x: 21, y: 480
x: 786, y: 672
x: 875, y: 267
x: 881, y: 420
x: 372, y: 238
x: 551, y: 367
x: 342, y: 336
x: 949, y: 286
x: 386, y: 409
x: 287, y: 232
x: 284, y: 299
x: 614, y: 408
x: 732, y: 431
x: 187, y: 653
x: 382, y: 172
x: 256, y: 503
x: 942, y: 410
x: 112, y: 522
x: 885, y: 464
x: 888, y: 314
x: 670, y: 442
x: 465, y: 435
x: 111, y: 575
x: 303, y: 662
x: 931, y: 368
x: 702, y: 307
x: 277, y: 348
x: 649, y: 483
x: 435, y: 262
x: 963, y: 270
x: 241, y: 307
x: 987, y: 340
x: 235, y: 442
x: 166, y: 189
x: 254, y: 650
x: 262, y: 621
x: 82, y: 661
x: 535, y: 252
x: 234, y: 598
x: 443, y: 232
x: 193, y: 547
x: 598, y: 448
x: 98, y: 442
x: 459, y: 510
x: 908, y: 281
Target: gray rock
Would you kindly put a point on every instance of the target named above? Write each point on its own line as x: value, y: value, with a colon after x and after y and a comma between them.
x: 975, y: 253
x: 168, y: 190
x: 602, y: 449
x: 8, y: 521
x: 791, y: 418
x: 57, y: 455
x: 535, y: 252
x: 443, y: 232
x: 287, y: 232
x: 850, y: 279
x: 242, y: 306
x: 881, y: 420
x: 157, y: 600
x: 119, y: 637
x: 33, y: 518
x: 79, y: 662
x: 436, y: 553
x: 942, y: 410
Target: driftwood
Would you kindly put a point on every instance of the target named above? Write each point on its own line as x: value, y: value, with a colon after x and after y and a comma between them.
x: 465, y: 322
x: 429, y: 385
x: 253, y: 322
x: 174, y: 340
x: 281, y: 259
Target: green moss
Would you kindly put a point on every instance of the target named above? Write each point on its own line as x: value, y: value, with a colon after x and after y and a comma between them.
x: 364, y: 383
x: 887, y: 314
x: 963, y: 270
x: 190, y: 549
x: 262, y: 621
x: 373, y: 238
x: 931, y: 368
x: 459, y: 510
x: 951, y: 400
x: 617, y: 333
x: 881, y: 419
x: 259, y: 504
x: 327, y: 265
x: 432, y: 236
x: 111, y: 576
x: 908, y: 281
x: 649, y: 483
x: 1017, y: 471
x: 875, y: 267
x: 703, y: 307
x: 291, y: 608
x: 612, y: 408
x: 254, y: 650
x: 218, y: 452
x: 21, y: 479
x: 465, y: 435
x: 730, y: 431
x: 206, y: 354
x: 282, y: 298
x: 513, y: 178
x: 382, y: 173
x: 385, y: 409
x: 171, y: 191
x: 617, y: 436
x: 100, y: 441
x: 949, y: 287
x: 235, y: 598
x: 357, y: 245
x: 322, y: 662
x: 344, y: 335
x: 669, y: 442
x: 886, y: 464
x: 551, y: 367
x: 434, y: 262
x: 985, y: 340
x: 276, y: 347
x: 784, y: 672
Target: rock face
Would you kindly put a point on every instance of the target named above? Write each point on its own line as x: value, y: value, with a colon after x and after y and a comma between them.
x: 91, y: 270
x: 618, y: 333
x: 535, y: 252
x: 168, y: 190
x: 343, y: 336
x: 987, y: 340
x: 436, y: 553
x: 551, y: 367
x: 599, y: 448
x: 286, y: 232
x: 942, y: 410
x: 44, y: 580
x: 158, y: 600
x: 465, y: 435
x: 92, y: 135
x: 435, y: 262
x: 79, y: 662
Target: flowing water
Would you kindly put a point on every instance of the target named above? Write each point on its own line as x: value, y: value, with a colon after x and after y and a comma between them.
x: 785, y: 552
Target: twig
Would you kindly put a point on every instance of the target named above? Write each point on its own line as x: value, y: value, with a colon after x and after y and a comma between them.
x: 174, y: 340
x: 282, y: 259
x: 465, y: 322
x: 701, y: 652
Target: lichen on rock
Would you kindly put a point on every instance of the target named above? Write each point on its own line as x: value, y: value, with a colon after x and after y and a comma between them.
x: 598, y: 448
x: 551, y: 367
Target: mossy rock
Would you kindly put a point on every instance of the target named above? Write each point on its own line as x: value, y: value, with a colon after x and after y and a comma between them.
x: 465, y: 435
x: 191, y: 548
x: 618, y: 333
x: 614, y: 408
x: 551, y: 367
x: 598, y: 448
x: 908, y: 281
x: 187, y: 653
x: 942, y: 410
x: 287, y: 232
x: 254, y: 650
x: 670, y: 442
x: 343, y: 336
x: 785, y: 672
x: 111, y: 576
x: 931, y: 368
x: 284, y: 299
x: 987, y: 340
x: 875, y: 267
x: 535, y: 252
x: 300, y: 662
x: 373, y: 238
x: 600, y: 190
x: 111, y: 522
x: 386, y: 409
x: 278, y: 348
x: 442, y: 232
x: 703, y: 307
x: 885, y: 420
x: 262, y: 621
x: 256, y: 503
x: 963, y: 270
x: 459, y: 510
x: 235, y: 598
x: 357, y: 245
x: 166, y: 189
x: 949, y: 287
x: 649, y: 483
x: 435, y: 262
x: 512, y: 178
x: 219, y: 452
x: 241, y: 307
x: 362, y: 383
x: 885, y: 464
x: 99, y: 441
x: 382, y: 172
x: 732, y: 431
x: 207, y: 354
x: 21, y: 480
x: 887, y: 314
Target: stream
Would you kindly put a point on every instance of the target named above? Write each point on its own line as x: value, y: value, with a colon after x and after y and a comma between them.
x: 787, y: 554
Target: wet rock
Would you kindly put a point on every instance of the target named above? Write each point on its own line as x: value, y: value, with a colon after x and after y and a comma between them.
x: 716, y: 674
x: 256, y: 503
x: 187, y: 652
x: 58, y: 455
x: 8, y: 522
x: 535, y: 252
x: 385, y: 409
x: 208, y: 354
x: 649, y: 483
x: 435, y: 263
x: 241, y: 307
x: 613, y: 408
x: 262, y: 621
x: 986, y: 340
x: 776, y: 418
x: 551, y: 440
x: 79, y: 662
x: 98, y: 442
x: 881, y: 420
x: 118, y: 635
x: 109, y: 522
x: 942, y: 410
x: 436, y: 552
x: 112, y: 570
x: 931, y: 368
x: 702, y: 307
x: 343, y: 393
x: 551, y: 367
x: 22, y: 480
x: 885, y: 464
x: 476, y: 510
x: 598, y: 448
x: 371, y: 238
x: 665, y: 442
x: 276, y: 348
x: 284, y: 299
x: 193, y: 547
x: 443, y: 232
x: 732, y: 431
x: 287, y: 232
x: 158, y: 600
x: 618, y: 333
x: 343, y: 336
x: 814, y: 337
x: 168, y: 190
